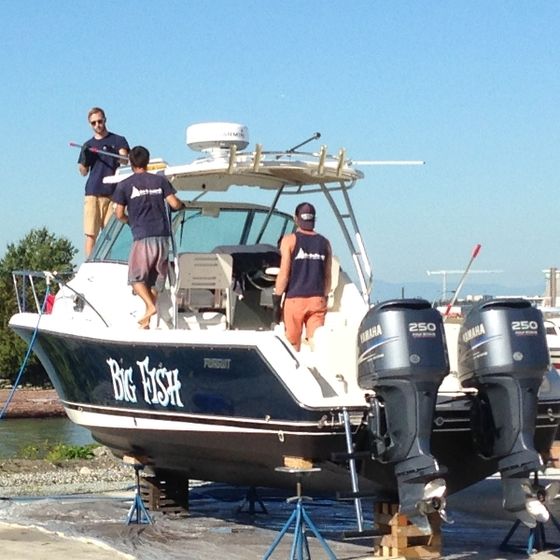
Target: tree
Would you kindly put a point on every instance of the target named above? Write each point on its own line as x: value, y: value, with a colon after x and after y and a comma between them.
x: 38, y: 250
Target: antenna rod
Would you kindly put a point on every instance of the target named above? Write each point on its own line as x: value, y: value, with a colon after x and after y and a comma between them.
x: 315, y: 136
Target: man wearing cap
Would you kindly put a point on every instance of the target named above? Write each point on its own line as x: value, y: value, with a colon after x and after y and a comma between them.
x: 304, y: 277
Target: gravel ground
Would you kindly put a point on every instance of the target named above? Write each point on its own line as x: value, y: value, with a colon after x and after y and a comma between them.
x: 103, y: 473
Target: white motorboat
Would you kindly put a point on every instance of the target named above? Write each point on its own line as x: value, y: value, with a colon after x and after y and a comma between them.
x: 384, y: 402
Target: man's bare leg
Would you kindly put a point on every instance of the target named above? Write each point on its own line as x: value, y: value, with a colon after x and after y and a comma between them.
x: 149, y: 300
x: 90, y: 242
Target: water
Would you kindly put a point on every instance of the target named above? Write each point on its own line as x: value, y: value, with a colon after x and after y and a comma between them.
x: 16, y: 433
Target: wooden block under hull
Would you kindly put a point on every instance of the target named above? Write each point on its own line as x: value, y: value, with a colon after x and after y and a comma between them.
x: 166, y: 496
x: 402, y: 539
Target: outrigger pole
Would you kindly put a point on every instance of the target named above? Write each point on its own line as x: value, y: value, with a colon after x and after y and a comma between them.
x: 98, y: 151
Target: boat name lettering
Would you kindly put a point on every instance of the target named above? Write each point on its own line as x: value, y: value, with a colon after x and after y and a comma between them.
x: 124, y: 388
x: 473, y: 332
x: 160, y: 385
x: 370, y: 333
x: 217, y: 363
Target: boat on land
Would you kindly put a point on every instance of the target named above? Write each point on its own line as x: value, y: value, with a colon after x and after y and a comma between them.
x: 551, y: 316
x: 389, y: 401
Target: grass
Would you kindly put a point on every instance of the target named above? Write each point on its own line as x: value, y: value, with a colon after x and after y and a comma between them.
x: 54, y: 452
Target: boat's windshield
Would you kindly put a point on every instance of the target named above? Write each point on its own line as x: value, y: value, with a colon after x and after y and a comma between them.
x: 201, y: 230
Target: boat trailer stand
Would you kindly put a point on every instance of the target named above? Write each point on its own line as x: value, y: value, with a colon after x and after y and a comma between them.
x: 250, y: 500
x: 301, y: 521
x: 137, y: 513
x: 536, y: 541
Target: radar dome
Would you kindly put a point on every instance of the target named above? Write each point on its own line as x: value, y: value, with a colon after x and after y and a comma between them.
x: 217, y: 136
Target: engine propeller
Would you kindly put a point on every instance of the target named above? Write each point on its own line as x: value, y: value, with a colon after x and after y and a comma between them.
x: 434, y: 499
x: 529, y: 501
x: 430, y: 498
x: 538, y: 498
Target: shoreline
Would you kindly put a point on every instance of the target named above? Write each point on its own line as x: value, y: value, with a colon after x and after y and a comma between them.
x: 38, y: 477
x: 30, y: 402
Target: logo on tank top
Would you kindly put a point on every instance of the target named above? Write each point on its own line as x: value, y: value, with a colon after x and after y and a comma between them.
x: 302, y: 255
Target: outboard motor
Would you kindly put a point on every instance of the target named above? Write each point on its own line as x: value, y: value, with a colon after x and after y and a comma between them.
x: 503, y: 353
x: 403, y: 358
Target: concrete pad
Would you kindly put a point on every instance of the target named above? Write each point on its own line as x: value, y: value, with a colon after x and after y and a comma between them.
x: 94, y: 528
x: 21, y: 542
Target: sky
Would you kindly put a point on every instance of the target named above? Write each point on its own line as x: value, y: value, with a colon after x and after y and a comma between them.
x: 470, y: 87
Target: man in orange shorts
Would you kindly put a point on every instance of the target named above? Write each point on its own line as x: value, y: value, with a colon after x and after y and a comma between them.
x: 304, y: 277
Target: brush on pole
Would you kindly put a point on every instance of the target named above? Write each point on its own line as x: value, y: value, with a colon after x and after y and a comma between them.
x: 98, y: 151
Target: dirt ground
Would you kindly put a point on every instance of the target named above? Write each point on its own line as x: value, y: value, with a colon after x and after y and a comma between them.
x: 31, y: 403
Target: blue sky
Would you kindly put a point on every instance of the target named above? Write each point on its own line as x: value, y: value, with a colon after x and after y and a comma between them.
x: 470, y: 87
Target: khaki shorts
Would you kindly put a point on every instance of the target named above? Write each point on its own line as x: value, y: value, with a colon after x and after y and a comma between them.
x: 97, y: 211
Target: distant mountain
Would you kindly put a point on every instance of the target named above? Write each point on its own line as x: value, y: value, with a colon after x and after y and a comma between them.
x: 432, y: 290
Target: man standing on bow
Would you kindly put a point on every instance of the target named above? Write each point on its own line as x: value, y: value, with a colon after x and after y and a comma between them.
x: 144, y: 196
x: 304, y: 277
x: 97, y: 203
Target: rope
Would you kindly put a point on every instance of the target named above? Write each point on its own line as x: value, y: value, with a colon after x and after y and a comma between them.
x: 48, y: 277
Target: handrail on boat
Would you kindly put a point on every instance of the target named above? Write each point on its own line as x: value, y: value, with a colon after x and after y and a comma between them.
x: 27, y: 278
x: 351, y: 231
x: 59, y: 277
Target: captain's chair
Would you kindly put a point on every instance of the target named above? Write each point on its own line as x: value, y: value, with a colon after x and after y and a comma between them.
x: 204, y: 286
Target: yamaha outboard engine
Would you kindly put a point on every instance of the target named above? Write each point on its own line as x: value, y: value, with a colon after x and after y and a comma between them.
x: 403, y: 358
x: 503, y: 353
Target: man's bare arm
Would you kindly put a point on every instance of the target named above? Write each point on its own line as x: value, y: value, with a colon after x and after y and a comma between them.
x: 174, y: 202
x: 328, y: 272
x: 120, y: 213
x: 286, y: 249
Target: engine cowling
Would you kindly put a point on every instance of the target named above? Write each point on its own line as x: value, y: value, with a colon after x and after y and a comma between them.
x: 403, y: 358
x: 503, y: 353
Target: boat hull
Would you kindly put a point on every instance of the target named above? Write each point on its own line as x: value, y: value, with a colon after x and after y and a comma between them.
x: 212, y: 412
x: 222, y: 413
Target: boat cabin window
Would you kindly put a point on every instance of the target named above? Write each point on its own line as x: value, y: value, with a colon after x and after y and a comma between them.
x: 200, y: 229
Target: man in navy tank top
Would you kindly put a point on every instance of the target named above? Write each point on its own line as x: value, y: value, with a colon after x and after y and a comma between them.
x: 304, y: 277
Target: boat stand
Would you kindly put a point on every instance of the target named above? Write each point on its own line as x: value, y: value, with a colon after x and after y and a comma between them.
x: 250, y: 500
x: 301, y: 520
x: 137, y: 513
x: 536, y: 541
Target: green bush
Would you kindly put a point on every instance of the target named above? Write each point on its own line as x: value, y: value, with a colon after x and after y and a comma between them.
x: 38, y: 250
x: 54, y: 452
